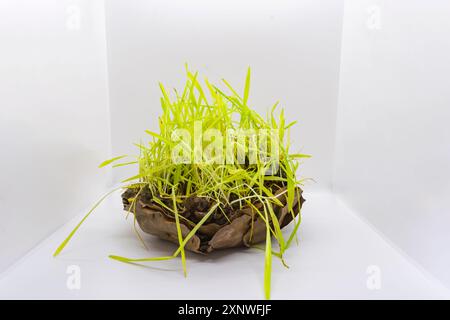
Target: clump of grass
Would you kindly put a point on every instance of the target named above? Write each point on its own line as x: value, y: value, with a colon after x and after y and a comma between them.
x: 220, y: 182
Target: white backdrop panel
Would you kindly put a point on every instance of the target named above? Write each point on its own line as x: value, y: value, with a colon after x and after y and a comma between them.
x: 393, y: 147
x: 292, y: 46
x: 54, y: 119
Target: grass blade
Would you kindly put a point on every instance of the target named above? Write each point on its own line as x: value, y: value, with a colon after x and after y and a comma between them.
x: 180, y: 235
x: 268, y: 261
x: 105, y: 163
x: 124, y: 259
x: 66, y: 241
x: 247, y: 87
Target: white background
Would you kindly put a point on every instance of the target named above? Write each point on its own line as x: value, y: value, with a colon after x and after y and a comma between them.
x: 54, y: 118
x: 292, y: 47
x: 367, y: 81
x: 393, y: 147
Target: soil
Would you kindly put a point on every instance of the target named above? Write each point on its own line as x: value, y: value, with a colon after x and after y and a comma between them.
x: 244, y: 226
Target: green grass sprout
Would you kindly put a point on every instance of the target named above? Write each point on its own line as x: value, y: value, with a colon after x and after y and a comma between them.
x: 64, y: 243
x: 207, y: 173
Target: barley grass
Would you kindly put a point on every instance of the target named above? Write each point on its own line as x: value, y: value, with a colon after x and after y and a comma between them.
x: 246, y: 184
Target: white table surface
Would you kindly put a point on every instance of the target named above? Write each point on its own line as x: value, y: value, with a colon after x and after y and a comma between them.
x: 331, y: 262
